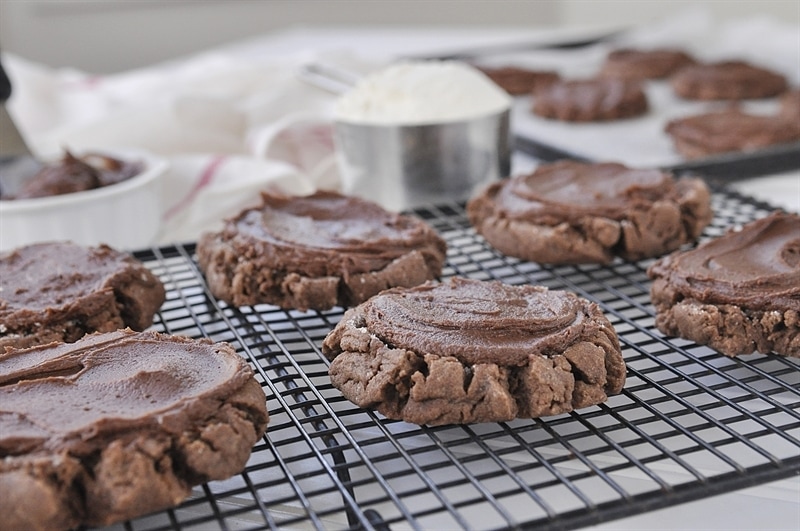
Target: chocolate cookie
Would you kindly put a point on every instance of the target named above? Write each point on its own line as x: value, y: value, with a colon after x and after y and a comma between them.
x: 118, y: 425
x: 727, y: 80
x: 61, y: 291
x: 592, y: 100
x: 571, y: 212
x: 737, y: 293
x: 520, y: 81
x: 629, y: 63
x: 469, y: 351
x: 728, y: 131
x: 317, y: 252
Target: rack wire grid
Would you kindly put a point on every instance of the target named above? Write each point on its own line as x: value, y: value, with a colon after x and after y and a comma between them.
x: 690, y: 423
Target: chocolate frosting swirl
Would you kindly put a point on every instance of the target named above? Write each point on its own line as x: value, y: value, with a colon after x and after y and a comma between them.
x: 330, y: 234
x: 479, y: 321
x: 109, y: 384
x: 757, y: 267
x: 47, y: 275
x: 569, y: 190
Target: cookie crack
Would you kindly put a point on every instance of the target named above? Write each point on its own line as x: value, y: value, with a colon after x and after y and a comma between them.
x: 468, y: 375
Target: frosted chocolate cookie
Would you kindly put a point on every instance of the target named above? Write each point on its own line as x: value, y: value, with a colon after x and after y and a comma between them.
x: 592, y: 100
x: 571, y: 212
x: 61, y: 291
x: 520, y: 81
x: 738, y: 293
x: 629, y: 63
x: 729, y: 131
x: 118, y: 425
x: 317, y: 252
x: 467, y: 351
x: 727, y: 80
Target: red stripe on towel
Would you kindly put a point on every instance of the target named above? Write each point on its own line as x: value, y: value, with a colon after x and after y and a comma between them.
x: 205, y: 179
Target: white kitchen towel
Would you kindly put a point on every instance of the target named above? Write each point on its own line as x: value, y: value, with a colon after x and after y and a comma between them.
x: 229, y: 126
x: 202, y: 190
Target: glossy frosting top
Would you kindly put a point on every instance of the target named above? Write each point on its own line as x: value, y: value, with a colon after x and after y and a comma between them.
x: 56, y: 274
x: 326, y: 232
x: 757, y: 267
x: 571, y: 190
x: 110, y: 383
x: 479, y: 321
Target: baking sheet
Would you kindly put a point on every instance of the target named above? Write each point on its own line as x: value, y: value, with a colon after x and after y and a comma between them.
x: 642, y: 141
x: 637, y: 142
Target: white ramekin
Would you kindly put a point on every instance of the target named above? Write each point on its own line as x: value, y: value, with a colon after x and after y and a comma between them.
x: 126, y: 215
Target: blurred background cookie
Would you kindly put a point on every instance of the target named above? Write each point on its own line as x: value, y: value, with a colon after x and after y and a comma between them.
x: 790, y: 105
x: 727, y: 80
x: 631, y: 63
x: 519, y: 81
x: 590, y: 100
x: 729, y: 131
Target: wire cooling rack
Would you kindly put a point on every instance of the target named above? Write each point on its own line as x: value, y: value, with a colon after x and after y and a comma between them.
x: 689, y: 423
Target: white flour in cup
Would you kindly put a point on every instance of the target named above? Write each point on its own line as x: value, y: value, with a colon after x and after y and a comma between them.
x: 421, y: 92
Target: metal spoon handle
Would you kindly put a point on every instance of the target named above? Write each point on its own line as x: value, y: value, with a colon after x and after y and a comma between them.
x: 330, y: 78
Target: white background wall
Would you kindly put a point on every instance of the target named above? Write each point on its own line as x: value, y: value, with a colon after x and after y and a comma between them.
x: 113, y: 35
x: 638, y: 11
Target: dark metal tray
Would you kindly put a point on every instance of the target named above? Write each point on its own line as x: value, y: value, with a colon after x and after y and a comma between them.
x: 689, y: 423
x: 722, y: 168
